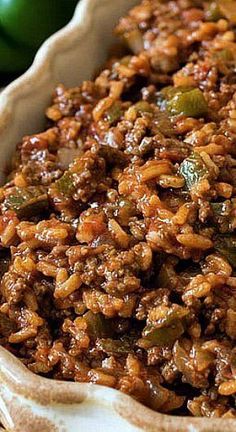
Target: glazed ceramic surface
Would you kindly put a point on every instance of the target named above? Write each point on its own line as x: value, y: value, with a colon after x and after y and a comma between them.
x: 29, y: 403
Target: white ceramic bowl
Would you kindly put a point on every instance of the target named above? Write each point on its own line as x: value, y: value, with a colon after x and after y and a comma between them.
x: 29, y: 403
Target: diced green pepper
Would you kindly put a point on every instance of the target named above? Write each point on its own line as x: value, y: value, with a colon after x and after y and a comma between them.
x: 163, y: 336
x: 168, y: 327
x: 193, y: 170
x: 224, y: 55
x: 168, y: 93
x: 27, y: 201
x: 226, y: 246
x: 114, y: 113
x: 182, y: 100
x: 190, y: 103
x: 143, y: 107
x: 65, y: 184
x: 98, y: 325
x: 172, y: 314
x: 213, y: 12
x: 115, y: 346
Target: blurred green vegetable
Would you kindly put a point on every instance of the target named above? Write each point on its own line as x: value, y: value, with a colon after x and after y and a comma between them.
x: 143, y: 107
x: 13, y: 58
x: 213, y: 12
x: 224, y: 55
x: 28, y: 201
x: 25, y: 24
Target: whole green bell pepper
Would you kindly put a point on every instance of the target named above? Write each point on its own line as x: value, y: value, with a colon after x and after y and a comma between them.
x: 14, y: 58
x: 30, y: 22
x: 25, y: 24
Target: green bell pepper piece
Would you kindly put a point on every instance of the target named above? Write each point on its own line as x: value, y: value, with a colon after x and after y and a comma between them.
x: 143, y: 107
x: 182, y: 100
x: 193, y: 170
x: 190, y: 103
x: 27, y: 202
x: 166, y: 329
x: 163, y: 336
x: 115, y: 346
x: 114, y: 113
x: 65, y: 184
x: 213, y: 12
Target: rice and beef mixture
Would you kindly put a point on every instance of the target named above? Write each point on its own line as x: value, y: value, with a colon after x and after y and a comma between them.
x: 118, y: 251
